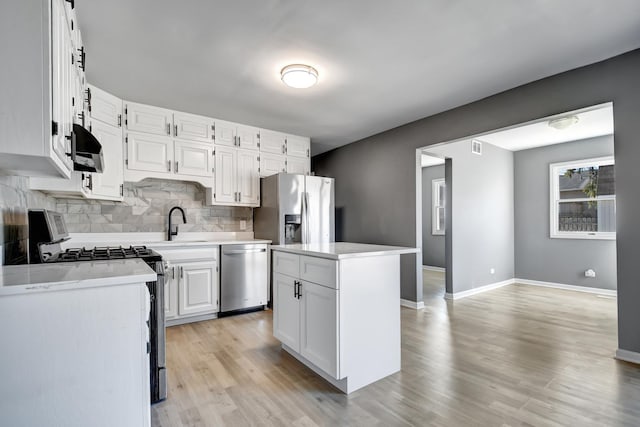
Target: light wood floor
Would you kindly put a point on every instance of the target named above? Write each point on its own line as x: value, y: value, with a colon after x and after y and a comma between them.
x: 516, y: 356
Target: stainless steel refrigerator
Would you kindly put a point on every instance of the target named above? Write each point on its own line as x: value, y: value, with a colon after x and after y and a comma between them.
x: 295, y: 209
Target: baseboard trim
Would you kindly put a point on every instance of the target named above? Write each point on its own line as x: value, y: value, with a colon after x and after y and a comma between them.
x: 433, y: 268
x: 628, y: 356
x: 478, y: 290
x: 411, y: 304
x: 597, y: 291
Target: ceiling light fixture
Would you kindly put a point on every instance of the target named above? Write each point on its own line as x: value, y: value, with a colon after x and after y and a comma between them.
x: 563, y: 122
x: 299, y: 76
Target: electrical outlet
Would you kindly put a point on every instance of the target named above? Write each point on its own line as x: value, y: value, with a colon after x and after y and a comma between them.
x: 590, y: 273
x: 243, y: 224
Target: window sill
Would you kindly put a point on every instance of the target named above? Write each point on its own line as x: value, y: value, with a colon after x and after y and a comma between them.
x: 584, y: 236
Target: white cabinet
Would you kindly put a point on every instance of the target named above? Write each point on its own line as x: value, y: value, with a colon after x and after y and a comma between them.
x: 306, y: 313
x: 236, y: 135
x: 298, y: 165
x: 271, y: 164
x: 36, y: 104
x: 237, y: 179
x: 148, y: 119
x: 191, y: 282
x: 298, y: 146
x: 193, y: 159
x: 197, y: 288
x: 108, y: 185
x: 192, y: 127
x: 272, y: 142
x: 149, y: 153
x: 104, y: 107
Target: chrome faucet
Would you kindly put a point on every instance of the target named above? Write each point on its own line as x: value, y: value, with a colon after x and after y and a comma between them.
x: 170, y: 232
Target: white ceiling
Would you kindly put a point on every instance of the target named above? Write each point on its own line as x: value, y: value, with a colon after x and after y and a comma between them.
x: 591, y: 123
x: 381, y: 63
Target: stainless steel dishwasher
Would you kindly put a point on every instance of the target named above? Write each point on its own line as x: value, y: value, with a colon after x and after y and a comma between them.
x: 243, y: 278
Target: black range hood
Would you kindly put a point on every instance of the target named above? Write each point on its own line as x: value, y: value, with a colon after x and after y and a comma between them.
x: 86, y: 151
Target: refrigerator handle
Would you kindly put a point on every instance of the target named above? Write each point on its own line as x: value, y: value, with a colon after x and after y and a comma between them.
x: 303, y: 216
x: 307, y: 216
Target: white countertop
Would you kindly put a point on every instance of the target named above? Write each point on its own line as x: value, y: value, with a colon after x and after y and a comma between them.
x: 343, y: 250
x: 21, y: 279
x: 159, y: 240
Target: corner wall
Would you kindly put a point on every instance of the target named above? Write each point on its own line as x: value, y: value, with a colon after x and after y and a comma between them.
x: 432, y: 244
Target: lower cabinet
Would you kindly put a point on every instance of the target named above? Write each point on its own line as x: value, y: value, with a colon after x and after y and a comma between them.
x: 306, y: 319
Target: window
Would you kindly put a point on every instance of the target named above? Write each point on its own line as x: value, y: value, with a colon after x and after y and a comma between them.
x: 583, y: 199
x: 437, y: 203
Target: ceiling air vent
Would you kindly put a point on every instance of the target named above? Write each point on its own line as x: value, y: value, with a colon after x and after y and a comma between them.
x: 476, y: 147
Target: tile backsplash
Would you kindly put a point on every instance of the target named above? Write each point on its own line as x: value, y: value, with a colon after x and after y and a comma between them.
x: 145, y: 208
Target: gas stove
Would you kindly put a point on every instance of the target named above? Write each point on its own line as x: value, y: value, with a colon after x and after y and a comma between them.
x: 102, y: 253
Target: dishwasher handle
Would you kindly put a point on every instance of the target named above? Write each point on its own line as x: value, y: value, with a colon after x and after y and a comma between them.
x: 242, y: 251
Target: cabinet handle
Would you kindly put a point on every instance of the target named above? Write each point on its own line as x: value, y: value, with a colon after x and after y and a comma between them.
x: 295, y: 289
x: 169, y: 165
x: 119, y: 120
x: 181, y: 272
x: 175, y: 130
x: 168, y: 129
x: 307, y: 152
x: 239, y: 141
x: 122, y: 190
x: 282, y: 148
x: 173, y: 272
x: 90, y: 184
x: 176, y: 166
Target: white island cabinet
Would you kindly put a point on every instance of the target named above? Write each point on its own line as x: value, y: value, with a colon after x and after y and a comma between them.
x: 74, y: 344
x: 336, y: 308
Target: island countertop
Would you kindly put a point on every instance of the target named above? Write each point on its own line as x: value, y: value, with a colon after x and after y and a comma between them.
x: 21, y: 279
x: 343, y: 250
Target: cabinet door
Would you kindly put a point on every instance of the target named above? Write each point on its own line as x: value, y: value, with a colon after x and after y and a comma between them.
x: 225, y: 175
x: 148, y: 119
x: 248, y: 177
x: 192, y: 127
x: 109, y: 182
x: 149, y: 153
x: 298, y: 165
x: 319, y: 326
x: 248, y: 137
x: 298, y: 146
x: 105, y: 107
x: 193, y: 158
x: 286, y: 311
x: 170, y: 293
x: 198, y: 288
x: 225, y: 133
x: 271, y: 164
x: 272, y: 142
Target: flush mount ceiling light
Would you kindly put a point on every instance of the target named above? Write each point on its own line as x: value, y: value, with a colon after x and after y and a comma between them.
x: 563, y: 122
x: 299, y: 76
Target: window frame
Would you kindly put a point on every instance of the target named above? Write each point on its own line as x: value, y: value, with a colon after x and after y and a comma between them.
x: 554, y: 232
x: 436, y: 184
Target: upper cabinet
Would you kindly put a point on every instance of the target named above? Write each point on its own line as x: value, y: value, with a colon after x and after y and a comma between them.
x: 273, y: 142
x: 298, y: 146
x: 104, y: 107
x: 148, y: 119
x: 231, y: 134
x: 192, y: 127
x: 38, y: 90
x: 237, y: 179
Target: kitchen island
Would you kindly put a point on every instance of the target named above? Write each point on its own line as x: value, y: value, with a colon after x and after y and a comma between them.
x: 336, y: 308
x: 74, y: 343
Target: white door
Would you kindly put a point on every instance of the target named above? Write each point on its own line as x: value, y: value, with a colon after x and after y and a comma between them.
x: 248, y: 137
x: 193, y: 158
x: 298, y: 146
x: 248, y: 177
x: 149, y: 153
x: 225, y: 133
x: 192, y: 127
x: 197, y: 288
x: 225, y: 175
x: 298, y: 165
x: 170, y: 293
x: 148, y: 119
x: 272, y: 142
x: 286, y: 311
x: 319, y: 326
x: 271, y: 164
x: 105, y: 107
x: 109, y: 182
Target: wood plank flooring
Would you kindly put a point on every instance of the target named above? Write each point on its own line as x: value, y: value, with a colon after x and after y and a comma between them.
x: 516, y: 356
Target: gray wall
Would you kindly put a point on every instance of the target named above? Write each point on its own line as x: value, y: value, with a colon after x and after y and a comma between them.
x: 538, y: 257
x: 482, y: 215
x: 376, y: 177
x: 432, y: 244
